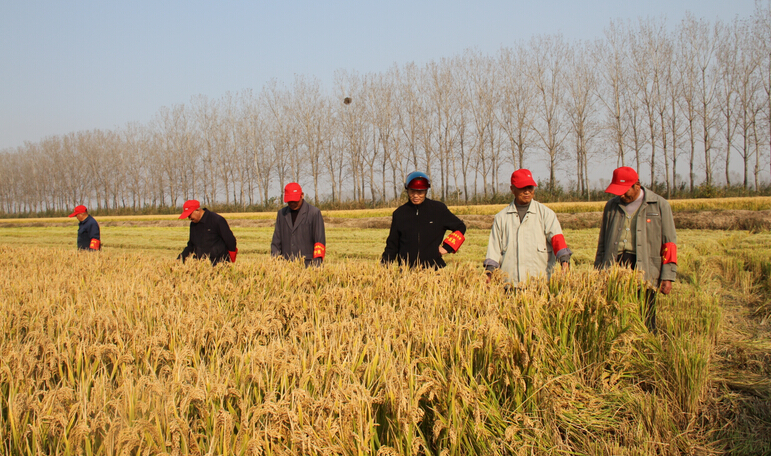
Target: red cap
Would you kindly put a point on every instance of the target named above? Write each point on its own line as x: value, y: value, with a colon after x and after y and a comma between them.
x: 189, y: 207
x: 293, y: 192
x: 78, y: 210
x: 418, y: 183
x: 522, y: 178
x: 623, y: 179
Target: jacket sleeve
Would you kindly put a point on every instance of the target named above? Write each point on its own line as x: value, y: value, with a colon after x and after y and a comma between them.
x: 668, y: 240
x: 226, y: 234
x: 494, y: 246
x: 189, y: 249
x: 392, y: 242
x: 453, y: 223
x: 319, y: 239
x: 93, y: 230
x: 93, y: 233
x: 553, y: 232
x: 275, y: 245
x: 598, y: 257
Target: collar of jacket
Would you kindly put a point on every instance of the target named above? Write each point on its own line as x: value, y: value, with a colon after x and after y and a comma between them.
x: 648, y: 197
x: 512, y: 207
x: 300, y: 215
x: 205, y: 215
x: 411, y: 204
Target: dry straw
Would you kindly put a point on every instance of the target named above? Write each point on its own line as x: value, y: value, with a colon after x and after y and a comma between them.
x: 107, y: 354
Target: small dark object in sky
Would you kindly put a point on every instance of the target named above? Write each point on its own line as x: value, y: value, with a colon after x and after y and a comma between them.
x: 347, y: 100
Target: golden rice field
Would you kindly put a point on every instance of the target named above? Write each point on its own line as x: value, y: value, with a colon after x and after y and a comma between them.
x: 128, y: 351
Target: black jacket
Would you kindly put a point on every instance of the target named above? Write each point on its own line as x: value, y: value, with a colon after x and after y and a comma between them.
x: 210, y: 238
x: 87, y: 229
x: 418, y: 231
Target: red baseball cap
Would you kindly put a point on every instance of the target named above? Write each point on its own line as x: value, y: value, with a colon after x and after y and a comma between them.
x: 189, y: 207
x: 418, y: 183
x: 522, y: 178
x: 78, y: 210
x: 293, y: 192
x: 623, y: 179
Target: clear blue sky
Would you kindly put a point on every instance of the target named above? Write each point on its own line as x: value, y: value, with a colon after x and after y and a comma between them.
x: 77, y: 65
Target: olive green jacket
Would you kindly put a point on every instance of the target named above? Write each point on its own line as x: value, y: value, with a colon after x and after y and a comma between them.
x: 655, y: 230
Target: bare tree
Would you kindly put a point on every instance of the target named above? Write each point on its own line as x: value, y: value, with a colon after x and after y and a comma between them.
x: 762, y: 39
x: 581, y: 102
x: 748, y: 87
x: 649, y: 50
x: 445, y: 103
x: 612, y: 55
x: 549, y: 54
x: 727, y: 56
x: 516, y: 103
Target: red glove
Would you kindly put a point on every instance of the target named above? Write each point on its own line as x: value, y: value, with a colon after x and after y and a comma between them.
x: 233, y: 256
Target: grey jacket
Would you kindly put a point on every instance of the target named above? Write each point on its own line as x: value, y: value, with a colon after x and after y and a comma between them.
x: 656, y: 248
x: 304, y: 239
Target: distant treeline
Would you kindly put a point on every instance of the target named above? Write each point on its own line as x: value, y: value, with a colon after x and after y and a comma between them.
x: 690, y: 108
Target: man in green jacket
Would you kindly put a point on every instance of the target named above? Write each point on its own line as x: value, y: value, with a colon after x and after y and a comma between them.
x: 638, y: 231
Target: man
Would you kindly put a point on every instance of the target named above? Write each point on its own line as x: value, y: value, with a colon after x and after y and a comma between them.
x: 638, y: 231
x: 88, y: 230
x: 210, y: 235
x: 299, y: 231
x: 418, y: 226
x: 526, y: 238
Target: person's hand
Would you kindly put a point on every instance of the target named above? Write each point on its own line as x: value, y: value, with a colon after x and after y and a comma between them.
x: 442, y: 250
x: 665, y: 287
x: 565, y: 266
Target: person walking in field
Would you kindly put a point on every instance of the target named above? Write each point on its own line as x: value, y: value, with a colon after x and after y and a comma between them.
x: 299, y: 231
x: 210, y: 235
x: 638, y: 231
x: 418, y: 226
x: 88, y: 230
x: 526, y: 239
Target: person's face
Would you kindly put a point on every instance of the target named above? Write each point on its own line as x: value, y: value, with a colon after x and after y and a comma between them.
x: 631, y: 194
x: 82, y: 216
x: 196, y: 215
x: 294, y: 205
x: 416, y: 196
x: 523, y: 195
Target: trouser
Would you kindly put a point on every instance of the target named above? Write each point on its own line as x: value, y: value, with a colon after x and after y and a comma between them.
x: 647, y: 293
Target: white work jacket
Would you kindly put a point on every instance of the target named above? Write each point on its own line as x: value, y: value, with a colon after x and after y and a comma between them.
x: 523, y: 250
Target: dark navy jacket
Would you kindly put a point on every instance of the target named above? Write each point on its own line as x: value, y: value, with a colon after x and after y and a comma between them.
x: 418, y: 231
x: 210, y: 238
x: 87, y: 229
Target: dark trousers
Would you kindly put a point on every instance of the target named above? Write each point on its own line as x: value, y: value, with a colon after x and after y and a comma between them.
x: 629, y: 260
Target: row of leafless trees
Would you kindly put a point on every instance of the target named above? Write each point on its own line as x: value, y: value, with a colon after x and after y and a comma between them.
x: 684, y: 102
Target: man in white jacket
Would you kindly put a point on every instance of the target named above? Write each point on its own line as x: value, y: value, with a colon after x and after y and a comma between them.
x: 526, y: 239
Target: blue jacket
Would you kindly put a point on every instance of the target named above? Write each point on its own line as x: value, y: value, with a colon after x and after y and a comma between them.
x: 88, y: 229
